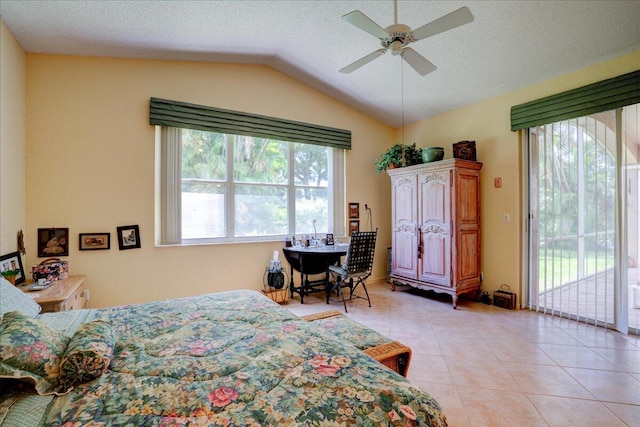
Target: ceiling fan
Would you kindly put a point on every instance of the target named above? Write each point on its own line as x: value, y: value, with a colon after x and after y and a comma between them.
x: 397, y: 37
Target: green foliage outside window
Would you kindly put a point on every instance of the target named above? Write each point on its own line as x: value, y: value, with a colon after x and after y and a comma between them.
x: 259, y: 189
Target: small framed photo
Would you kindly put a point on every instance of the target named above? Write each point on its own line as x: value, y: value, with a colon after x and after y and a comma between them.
x: 128, y: 237
x: 354, y: 226
x: 354, y: 210
x: 330, y: 241
x: 11, y: 268
x: 94, y: 241
x: 53, y: 242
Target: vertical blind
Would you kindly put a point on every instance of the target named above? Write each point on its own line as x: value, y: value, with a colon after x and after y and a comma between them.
x: 573, y: 216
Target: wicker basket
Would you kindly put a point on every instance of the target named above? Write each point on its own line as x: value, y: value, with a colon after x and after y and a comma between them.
x: 278, y: 292
x: 281, y: 296
x: 321, y: 315
x: 393, y: 355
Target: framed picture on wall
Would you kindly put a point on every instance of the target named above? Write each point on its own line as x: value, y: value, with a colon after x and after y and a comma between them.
x: 11, y: 268
x: 354, y: 210
x: 53, y: 242
x: 128, y: 237
x: 94, y: 241
x: 354, y: 226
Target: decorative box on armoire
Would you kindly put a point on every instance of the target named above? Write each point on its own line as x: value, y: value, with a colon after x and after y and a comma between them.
x: 435, y: 217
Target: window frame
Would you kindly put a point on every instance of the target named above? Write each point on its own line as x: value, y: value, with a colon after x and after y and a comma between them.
x: 168, y: 229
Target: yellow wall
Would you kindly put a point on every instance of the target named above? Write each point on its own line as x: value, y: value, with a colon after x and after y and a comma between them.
x: 499, y: 149
x: 12, y: 140
x: 90, y: 166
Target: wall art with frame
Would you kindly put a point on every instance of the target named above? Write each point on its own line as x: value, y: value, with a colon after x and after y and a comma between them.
x: 128, y: 237
x: 94, y: 241
x: 12, y: 262
x: 354, y: 210
x: 53, y: 242
x: 354, y: 226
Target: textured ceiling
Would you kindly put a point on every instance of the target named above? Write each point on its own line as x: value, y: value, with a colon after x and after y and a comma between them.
x: 509, y: 45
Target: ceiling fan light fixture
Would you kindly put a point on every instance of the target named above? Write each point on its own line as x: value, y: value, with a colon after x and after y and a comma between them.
x: 397, y: 37
x: 396, y: 47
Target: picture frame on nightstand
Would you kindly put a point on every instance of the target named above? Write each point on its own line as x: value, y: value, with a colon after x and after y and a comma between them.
x: 12, y: 262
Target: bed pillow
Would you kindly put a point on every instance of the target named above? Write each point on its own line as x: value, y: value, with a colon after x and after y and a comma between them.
x: 88, y: 354
x: 13, y: 299
x: 31, y: 350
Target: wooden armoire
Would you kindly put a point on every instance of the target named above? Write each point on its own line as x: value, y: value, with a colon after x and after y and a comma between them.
x: 435, y: 217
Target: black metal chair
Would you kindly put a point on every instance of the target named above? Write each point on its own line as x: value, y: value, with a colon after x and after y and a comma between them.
x: 356, y: 268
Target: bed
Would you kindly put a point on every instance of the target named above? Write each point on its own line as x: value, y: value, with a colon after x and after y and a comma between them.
x: 226, y: 359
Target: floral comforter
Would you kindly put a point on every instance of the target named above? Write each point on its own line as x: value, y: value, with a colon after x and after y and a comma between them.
x: 236, y: 359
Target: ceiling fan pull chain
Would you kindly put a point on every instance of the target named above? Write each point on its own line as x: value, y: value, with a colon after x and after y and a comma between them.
x: 402, y: 96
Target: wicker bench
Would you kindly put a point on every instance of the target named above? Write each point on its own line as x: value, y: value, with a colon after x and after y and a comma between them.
x: 392, y: 354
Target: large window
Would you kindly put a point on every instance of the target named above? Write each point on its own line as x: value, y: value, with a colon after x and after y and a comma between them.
x: 217, y: 187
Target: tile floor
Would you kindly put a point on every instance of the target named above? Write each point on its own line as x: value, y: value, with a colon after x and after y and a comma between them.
x: 488, y: 366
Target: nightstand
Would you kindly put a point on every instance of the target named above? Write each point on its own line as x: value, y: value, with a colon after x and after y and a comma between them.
x: 62, y: 295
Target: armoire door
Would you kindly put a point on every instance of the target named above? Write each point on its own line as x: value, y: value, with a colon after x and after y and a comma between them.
x: 467, y: 244
x: 404, y: 240
x: 435, y: 227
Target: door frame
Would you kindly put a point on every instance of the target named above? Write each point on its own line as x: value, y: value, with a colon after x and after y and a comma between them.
x: 620, y: 304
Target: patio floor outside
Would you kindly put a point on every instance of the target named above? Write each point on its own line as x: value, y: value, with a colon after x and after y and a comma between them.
x: 591, y: 299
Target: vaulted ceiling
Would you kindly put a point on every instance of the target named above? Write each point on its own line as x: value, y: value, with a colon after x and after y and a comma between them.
x: 508, y: 45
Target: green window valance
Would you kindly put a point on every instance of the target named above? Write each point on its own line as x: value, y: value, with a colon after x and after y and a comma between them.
x: 163, y: 112
x: 594, y: 98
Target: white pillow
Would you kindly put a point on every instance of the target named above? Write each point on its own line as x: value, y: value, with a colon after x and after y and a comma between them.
x: 13, y: 299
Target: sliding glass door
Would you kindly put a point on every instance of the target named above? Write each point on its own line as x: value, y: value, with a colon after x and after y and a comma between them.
x: 579, y: 205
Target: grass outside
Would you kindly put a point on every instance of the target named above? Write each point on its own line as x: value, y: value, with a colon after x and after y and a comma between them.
x: 560, y: 267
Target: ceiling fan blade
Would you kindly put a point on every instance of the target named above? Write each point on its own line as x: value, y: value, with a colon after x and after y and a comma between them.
x: 362, y: 61
x: 361, y: 21
x: 447, y: 22
x: 419, y: 63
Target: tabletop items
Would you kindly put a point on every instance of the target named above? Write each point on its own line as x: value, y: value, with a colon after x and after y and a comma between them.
x: 308, y: 241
